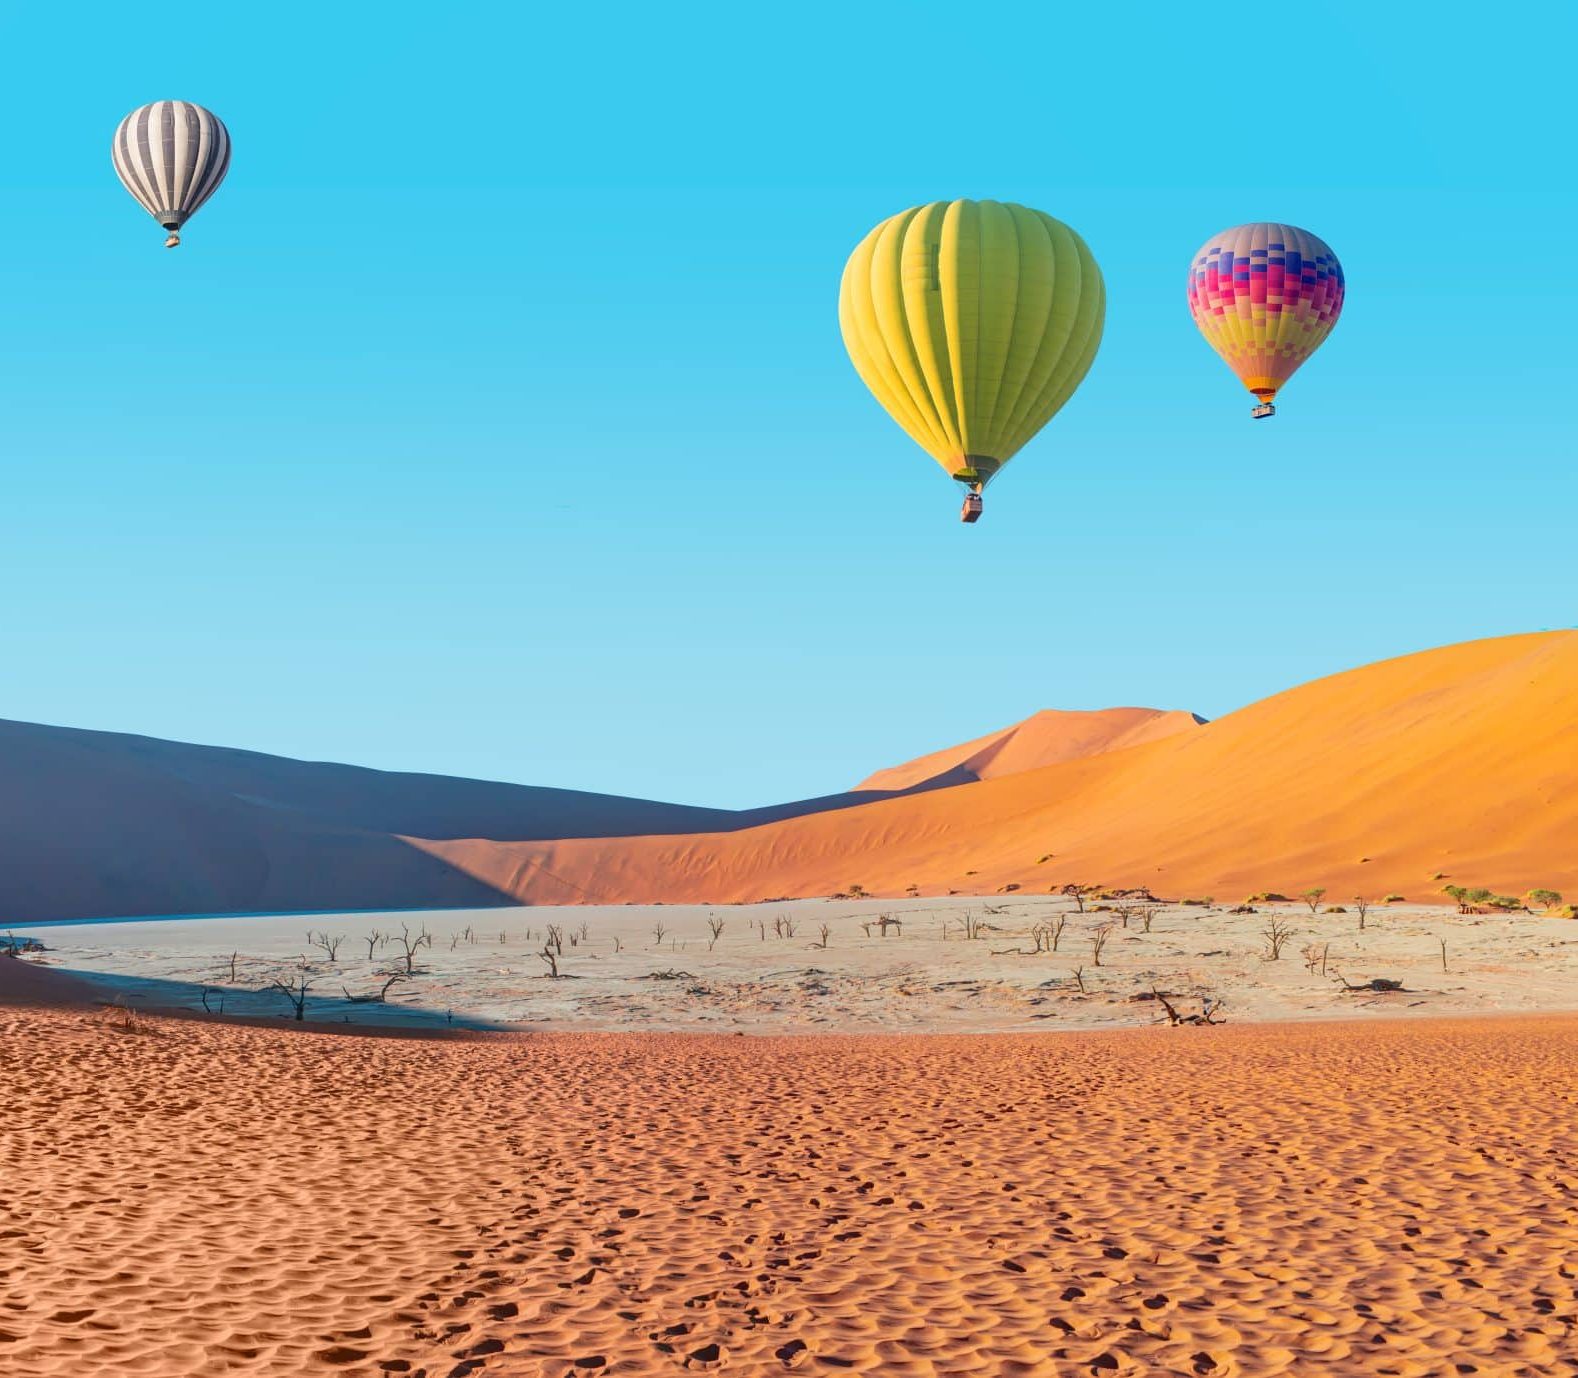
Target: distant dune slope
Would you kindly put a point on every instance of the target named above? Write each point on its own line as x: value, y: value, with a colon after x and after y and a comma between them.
x: 1043, y: 739
x: 1462, y: 760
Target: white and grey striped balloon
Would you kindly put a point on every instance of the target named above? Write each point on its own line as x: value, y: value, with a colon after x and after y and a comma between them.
x: 172, y: 156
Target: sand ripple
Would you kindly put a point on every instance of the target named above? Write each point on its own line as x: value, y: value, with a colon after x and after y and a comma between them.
x: 1335, y: 1199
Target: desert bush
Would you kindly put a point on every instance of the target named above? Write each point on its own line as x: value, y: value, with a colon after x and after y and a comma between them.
x: 1267, y: 897
x: 1336, y: 908
x: 123, y: 1019
x: 1205, y: 902
x: 1394, y: 899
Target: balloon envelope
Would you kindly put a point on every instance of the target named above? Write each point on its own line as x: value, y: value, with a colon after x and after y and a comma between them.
x: 972, y: 322
x: 1265, y: 296
x: 172, y: 156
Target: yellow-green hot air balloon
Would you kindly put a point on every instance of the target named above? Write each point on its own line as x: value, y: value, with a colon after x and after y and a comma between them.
x: 972, y: 322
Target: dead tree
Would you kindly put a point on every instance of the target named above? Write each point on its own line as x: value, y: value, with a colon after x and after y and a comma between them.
x: 297, y: 994
x: 330, y: 946
x: 826, y: 933
x: 1276, y: 934
x: 659, y: 932
x: 372, y: 941
x: 1078, y: 893
x: 1147, y: 917
x: 715, y: 927
x: 381, y: 996
x: 410, y: 945
x: 1380, y: 984
x: 1079, y: 976
x: 552, y: 959
x: 1098, y: 940
x: 555, y: 939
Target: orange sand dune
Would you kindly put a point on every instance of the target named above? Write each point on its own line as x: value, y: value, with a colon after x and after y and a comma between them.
x: 185, y: 1199
x: 1462, y: 760
x: 1043, y: 739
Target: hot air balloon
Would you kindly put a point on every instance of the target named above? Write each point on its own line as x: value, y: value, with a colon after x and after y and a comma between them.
x: 972, y: 322
x: 1264, y: 297
x: 172, y: 156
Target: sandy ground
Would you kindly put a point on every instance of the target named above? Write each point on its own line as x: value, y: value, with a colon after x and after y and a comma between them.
x: 767, y: 971
x: 187, y: 1197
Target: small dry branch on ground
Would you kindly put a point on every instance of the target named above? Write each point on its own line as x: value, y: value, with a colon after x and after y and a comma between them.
x: 1210, y: 1010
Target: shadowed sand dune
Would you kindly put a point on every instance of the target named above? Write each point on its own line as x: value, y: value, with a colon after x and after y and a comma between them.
x: 27, y: 983
x: 1043, y: 739
x: 102, y: 823
x: 1461, y: 761
x: 185, y: 1199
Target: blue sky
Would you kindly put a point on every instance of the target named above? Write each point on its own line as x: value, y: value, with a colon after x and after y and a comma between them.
x: 494, y: 419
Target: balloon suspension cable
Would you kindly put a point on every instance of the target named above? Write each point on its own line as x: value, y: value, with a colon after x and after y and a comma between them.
x: 174, y: 241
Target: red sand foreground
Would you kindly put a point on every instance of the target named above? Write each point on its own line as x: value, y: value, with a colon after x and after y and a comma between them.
x: 186, y: 1198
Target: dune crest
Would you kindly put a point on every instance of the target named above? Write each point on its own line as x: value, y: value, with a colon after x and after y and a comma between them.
x: 1458, y: 762
x: 1043, y: 739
